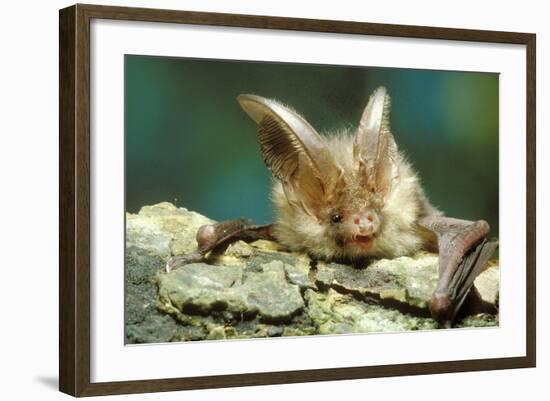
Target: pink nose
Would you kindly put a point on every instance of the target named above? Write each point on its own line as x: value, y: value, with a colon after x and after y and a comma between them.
x: 364, y: 222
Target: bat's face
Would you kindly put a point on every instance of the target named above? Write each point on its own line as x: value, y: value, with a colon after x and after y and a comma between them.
x: 355, y: 230
x: 354, y: 218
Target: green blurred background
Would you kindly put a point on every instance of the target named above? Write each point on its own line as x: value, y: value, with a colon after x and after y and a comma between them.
x: 188, y: 141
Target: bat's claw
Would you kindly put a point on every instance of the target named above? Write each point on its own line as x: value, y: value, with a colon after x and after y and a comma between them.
x: 178, y: 261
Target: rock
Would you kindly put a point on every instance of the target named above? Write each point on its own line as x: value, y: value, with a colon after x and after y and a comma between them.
x: 144, y: 323
x: 164, y: 229
x: 299, y: 272
x: 478, y: 320
x: 239, y: 249
x: 217, y: 333
x: 405, y: 283
x: 487, y: 284
x: 204, y: 289
x: 275, y: 331
x: 335, y: 313
x: 271, y: 295
x: 257, y: 289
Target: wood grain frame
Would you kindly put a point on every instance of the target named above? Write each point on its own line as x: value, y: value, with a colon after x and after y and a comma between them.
x: 74, y: 199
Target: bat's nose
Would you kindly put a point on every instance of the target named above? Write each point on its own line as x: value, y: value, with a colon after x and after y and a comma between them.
x: 365, y: 223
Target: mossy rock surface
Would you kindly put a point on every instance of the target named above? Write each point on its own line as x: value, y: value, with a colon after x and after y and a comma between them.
x: 259, y: 290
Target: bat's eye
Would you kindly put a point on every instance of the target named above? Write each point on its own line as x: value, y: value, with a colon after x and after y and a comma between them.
x: 336, y: 218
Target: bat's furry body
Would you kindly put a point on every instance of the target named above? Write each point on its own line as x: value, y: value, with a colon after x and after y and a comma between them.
x: 399, y: 233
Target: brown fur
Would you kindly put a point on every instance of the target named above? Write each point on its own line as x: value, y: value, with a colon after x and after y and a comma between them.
x: 398, y: 234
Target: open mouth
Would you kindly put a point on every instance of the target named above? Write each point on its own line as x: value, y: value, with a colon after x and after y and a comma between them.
x: 363, y: 240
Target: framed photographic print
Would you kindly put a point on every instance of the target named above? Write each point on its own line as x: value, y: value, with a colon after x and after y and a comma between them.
x: 251, y: 200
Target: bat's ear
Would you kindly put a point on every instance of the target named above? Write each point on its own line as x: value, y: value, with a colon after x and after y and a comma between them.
x: 293, y: 151
x: 374, y: 149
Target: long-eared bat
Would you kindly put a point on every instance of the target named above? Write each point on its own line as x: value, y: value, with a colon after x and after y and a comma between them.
x: 353, y: 196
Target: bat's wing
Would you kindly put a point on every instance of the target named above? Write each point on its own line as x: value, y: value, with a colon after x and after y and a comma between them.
x: 464, y: 252
x: 212, y: 236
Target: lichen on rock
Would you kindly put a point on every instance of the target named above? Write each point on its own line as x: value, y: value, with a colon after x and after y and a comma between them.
x: 336, y: 313
x: 258, y: 289
x: 143, y: 322
x: 233, y: 291
x: 164, y: 229
x: 405, y: 282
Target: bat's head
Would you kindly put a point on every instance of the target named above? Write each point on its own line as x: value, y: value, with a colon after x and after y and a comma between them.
x: 331, y: 194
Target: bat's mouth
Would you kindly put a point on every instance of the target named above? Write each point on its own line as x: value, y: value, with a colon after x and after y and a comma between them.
x: 364, y: 241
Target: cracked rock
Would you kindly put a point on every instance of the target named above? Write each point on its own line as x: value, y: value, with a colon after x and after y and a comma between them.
x: 232, y: 290
x: 335, y: 313
x: 404, y: 283
x: 144, y: 323
x: 258, y: 289
x: 163, y: 229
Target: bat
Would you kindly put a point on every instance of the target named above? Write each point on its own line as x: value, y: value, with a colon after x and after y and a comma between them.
x: 351, y: 197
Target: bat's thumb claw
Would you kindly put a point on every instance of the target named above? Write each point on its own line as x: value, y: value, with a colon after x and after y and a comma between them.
x: 168, y: 266
x: 177, y: 261
x: 172, y: 264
